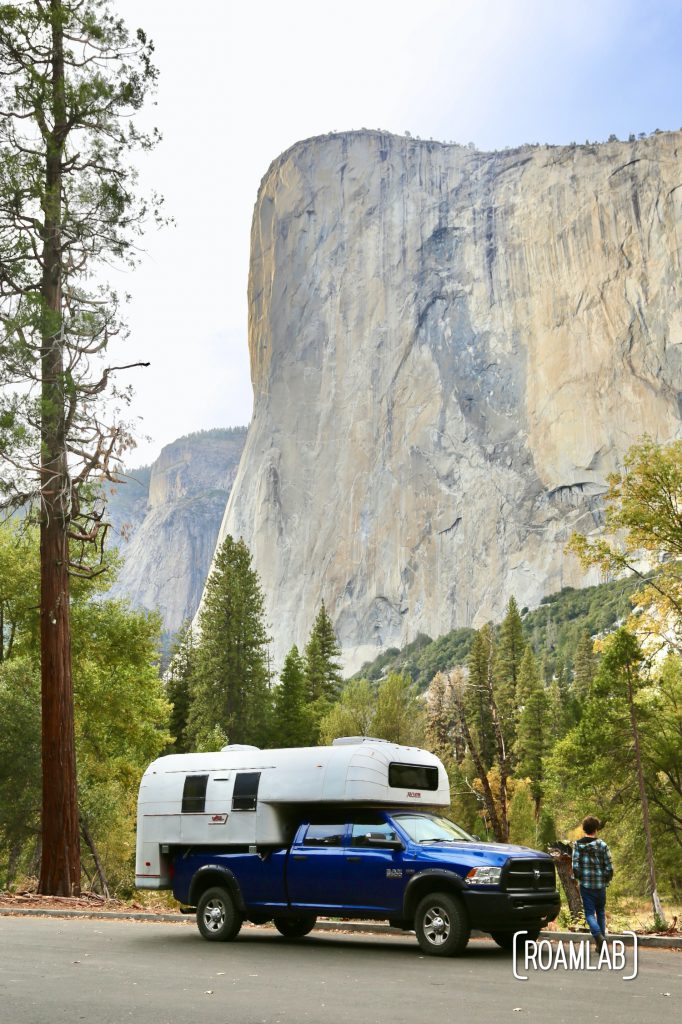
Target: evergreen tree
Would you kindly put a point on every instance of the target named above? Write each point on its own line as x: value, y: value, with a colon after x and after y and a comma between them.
x: 533, y: 730
x: 620, y: 673
x: 291, y: 725
x: 602, y: 762
x: 510, y: 648
x: 230, y: 682
x: 557, y: 716
x: 561, y: 676
x: 121, y: 718
x: 484, y: 725
x: 73, y: 78
x: 497, y: 821
x: 584, y: 667
x: 476, y: 700
x: 662, y: 746
x: 323, y: 677
x: 353, y: 714
x: 399, y: 713
x: 522, y: 818
x: 441, y: 718
x: 178, y: 686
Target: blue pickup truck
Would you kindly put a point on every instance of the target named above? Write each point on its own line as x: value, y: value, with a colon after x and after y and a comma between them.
x: 416, y: 869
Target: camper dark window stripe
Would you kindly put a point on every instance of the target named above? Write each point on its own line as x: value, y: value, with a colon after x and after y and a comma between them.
x: 412, y: 776
x: 245, y: 793
x: 194, y: 794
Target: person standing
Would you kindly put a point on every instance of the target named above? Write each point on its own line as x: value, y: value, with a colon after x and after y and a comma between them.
x: 593, y: 870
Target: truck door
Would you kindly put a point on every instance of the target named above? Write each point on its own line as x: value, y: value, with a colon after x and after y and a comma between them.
x: 374, y: 875
x: 317, y: 868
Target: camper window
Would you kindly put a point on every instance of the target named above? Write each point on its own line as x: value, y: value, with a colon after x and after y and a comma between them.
x: 412, y: 776
x: 245, y: 793
x: 194, y: 794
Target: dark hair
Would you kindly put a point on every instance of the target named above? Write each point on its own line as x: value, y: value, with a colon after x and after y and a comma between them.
x: 591, y: 824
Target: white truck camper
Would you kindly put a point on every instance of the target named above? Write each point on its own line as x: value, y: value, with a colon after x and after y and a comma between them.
x: 244, y: 797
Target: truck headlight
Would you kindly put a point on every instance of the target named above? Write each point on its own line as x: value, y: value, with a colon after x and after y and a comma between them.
x: 484, y: 876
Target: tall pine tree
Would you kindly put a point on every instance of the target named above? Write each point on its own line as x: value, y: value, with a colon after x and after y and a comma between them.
x: 476, y: 699
x: 533, y: 734
x: 510, y: 648
x: 584, y: 667
x: 230, y: 691
x: 178, y: 686
x: 291, y: 726
x: 73, y: 77
x: 323, y: 677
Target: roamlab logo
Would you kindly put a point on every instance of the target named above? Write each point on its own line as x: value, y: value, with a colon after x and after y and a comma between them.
x: 544, y: 955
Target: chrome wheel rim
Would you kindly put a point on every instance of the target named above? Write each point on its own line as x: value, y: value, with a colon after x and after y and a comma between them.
x: 214, y: 915
x: 436, y: 926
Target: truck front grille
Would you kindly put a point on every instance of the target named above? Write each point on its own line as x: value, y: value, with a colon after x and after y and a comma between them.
x: 522, y: 875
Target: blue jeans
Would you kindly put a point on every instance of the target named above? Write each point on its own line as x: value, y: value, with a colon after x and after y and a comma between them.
x: 594, y: 904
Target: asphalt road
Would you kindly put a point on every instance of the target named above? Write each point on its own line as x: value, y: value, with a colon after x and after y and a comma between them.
x: 111, y: 972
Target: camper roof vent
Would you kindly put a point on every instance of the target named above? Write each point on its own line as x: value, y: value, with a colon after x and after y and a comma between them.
x: 341, y: 741
x: 238, y: 746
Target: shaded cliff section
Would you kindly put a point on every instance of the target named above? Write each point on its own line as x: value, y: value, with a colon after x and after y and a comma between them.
x: 165, y: 521
x: 450, y: 351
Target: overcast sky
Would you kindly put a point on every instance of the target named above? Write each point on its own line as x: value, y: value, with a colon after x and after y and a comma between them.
x: 241, y: 81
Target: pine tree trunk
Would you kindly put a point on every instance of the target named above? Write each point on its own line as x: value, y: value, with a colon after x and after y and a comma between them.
x: 60, y: 863
x: 501, y: 756
x: 655, y: 898
x: 488, y: 797
x: 104, y: 885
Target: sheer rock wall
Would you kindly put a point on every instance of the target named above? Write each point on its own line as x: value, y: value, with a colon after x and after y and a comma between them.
x: 167, y: 536
x: 450, y: 351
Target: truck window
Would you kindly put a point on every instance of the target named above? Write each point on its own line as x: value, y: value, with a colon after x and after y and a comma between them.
x: 194, y: 794
x: 362, y: 835
x: 245, y: 793
x: 324, y: 835
x: 412, y: 776
x: 429, y: 828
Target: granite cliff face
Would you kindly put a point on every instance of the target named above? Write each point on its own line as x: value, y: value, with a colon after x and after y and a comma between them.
x: 166, y: 520
x: 450, y: 351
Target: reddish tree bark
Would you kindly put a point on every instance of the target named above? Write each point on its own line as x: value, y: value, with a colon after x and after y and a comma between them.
x: 60, y: 862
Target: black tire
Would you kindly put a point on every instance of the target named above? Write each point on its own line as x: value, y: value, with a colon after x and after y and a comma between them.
x: 441, y: 925
x: 218, y: 919
x: 295, y: 927
x: 505, y: 940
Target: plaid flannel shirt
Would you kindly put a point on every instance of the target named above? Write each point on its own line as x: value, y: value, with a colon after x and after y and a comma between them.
x: 592, y: 865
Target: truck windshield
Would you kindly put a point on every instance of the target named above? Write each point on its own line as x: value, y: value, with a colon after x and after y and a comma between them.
x: 431, y: 828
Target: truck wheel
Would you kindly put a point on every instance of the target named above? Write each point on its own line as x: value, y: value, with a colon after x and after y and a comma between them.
x: 441, y: 925
x: 295, y: 927
x: 217, y: 917
x: 505, y: 940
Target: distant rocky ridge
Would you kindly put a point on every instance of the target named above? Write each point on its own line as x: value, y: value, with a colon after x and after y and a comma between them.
x: 450, y: 351
x: 165, y: 521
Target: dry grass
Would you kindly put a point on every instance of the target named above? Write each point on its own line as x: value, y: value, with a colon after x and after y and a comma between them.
x: 637, y: 915
x: 151, y: 902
